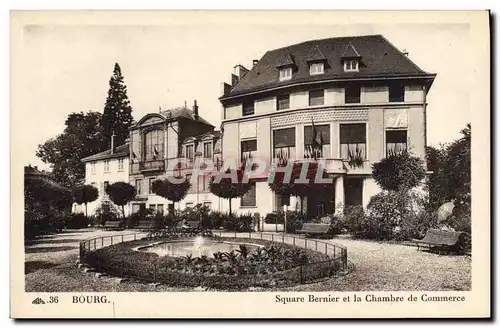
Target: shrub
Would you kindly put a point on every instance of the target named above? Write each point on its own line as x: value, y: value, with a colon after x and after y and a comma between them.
x: 275, y: 218
x: 353, y: 220
x: 399, y: 171
x: 77, y: 221
x: 395, y: 215
x: 106, y: 211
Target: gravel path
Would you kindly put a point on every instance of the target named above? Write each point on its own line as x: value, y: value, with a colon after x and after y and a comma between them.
x: 50, y: 266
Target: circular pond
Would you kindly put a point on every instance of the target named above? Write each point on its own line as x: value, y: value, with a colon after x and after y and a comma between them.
x: 196, y: 247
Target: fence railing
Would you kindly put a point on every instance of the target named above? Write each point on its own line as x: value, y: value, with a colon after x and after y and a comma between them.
x: 304, y: 273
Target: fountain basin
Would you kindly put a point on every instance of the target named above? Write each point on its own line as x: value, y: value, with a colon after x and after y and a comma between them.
x: 193, y: 247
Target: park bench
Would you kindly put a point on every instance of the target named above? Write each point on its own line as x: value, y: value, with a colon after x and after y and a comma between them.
x: 145, y: 225
x: 314, y: 229
x: 455, y: 241
x: 112, y: 225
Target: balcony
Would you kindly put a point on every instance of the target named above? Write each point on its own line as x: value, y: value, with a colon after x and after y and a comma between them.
x: 147, y: 166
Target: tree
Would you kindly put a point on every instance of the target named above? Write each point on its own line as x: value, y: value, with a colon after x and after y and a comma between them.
x: 175, y: 192
x: 84, y: 194
x: 81, y: 137
x: 399, y: 171
x: 292, y: 187
x: 227, y: 188
x: 121, y: 193
x: 450, y: 166
x: 117, y: 116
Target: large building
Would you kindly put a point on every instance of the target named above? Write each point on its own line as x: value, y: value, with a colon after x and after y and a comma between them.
x: 358, y: 98
x: 157, y: 141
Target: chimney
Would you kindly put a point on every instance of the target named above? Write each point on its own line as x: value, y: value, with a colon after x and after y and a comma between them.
x: 195, y: 110
x: 405, y: 52
x: 254, y: 62
x: 113, y: 143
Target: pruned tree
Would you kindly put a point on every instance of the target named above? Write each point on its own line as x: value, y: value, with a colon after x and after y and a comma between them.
x: 226, y: 188
x: 84, y: 194
x: 121, y: 193
x: 117, y: 116
x: 399, y: 171
x: 173, y: 191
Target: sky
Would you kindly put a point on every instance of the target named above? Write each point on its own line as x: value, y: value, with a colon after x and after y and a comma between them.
x: 67, y: 68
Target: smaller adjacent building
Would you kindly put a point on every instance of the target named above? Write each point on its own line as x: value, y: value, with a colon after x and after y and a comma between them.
x: 102, y: 169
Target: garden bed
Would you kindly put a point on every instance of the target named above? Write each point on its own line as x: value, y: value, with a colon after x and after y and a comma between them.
x: 276, y: 265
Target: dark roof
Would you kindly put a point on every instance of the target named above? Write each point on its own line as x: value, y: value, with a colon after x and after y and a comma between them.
x: 183, y: 112
x: 315, y: 54
x: 350, y: 52
x: 120, y: 151
x: 284, y: 60
x: 379, y: 58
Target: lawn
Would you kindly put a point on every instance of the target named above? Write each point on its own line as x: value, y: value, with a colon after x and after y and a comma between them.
x: 50, y: 267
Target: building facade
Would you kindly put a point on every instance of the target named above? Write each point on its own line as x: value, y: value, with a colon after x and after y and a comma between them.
x: 350, y: 101
x: 103, y: 169
x: 157, y: 142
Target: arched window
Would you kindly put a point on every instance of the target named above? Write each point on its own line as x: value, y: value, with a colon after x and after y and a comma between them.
x: 154, y: 145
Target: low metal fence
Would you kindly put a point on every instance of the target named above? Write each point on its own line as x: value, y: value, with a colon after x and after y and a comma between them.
x: 151, y: 272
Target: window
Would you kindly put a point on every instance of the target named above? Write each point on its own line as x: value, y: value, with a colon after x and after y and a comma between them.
x: 283, y: 102
x: 152, y: 208
x: 395, y: 141
x: 188, y: 178
x: 150, y: 185
x: 285, y: 74
x: 92, y: 167
x: 190, y: 152
x: 106, y: 184
x: 189, y: 205
x: 396, y: 92
x: 284, y: 143
x: 207, y: 204
x: 248, y: 108
x: 317, y: 141
x: 159, y: 209
x: 120, y: 164
x: 351, y: 65
x: 249, y: 199
x: 316, y: 68
x: 316, y: 97
x: 248, y: 149
x: 138, y: 186
x: 353, y: 141
x: 203, y: 182
x: 352, y: 94
x: 153, y: 145
x: 353, y: 191
x: 106, y: 166
x: 207, y: 149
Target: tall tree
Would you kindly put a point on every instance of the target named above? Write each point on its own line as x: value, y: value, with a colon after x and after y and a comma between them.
x: 82, y: 137
x: 117, y: 116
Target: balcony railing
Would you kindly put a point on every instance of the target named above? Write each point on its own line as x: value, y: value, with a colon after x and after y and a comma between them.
x: 156, y: 165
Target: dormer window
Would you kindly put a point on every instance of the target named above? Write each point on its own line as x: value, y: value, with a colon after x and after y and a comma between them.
x: 285, y: 73
x: 351, y: 65
x: 316, y: 68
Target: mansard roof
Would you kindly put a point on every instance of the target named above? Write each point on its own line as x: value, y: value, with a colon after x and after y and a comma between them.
x: 379, y: 57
